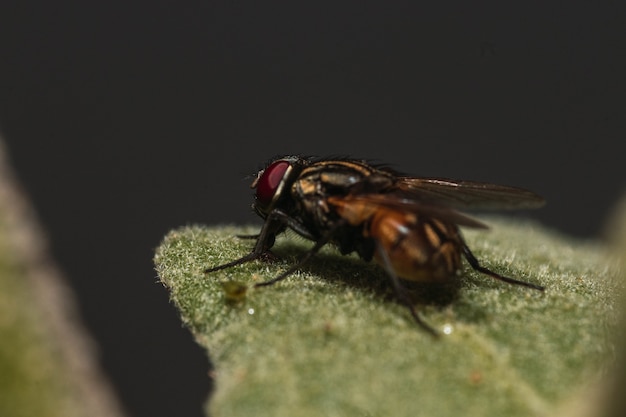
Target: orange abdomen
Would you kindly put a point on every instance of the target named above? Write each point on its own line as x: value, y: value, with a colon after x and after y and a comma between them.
x: 418, y: 248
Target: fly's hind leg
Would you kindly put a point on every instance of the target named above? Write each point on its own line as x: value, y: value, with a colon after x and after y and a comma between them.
x: 476, y: 265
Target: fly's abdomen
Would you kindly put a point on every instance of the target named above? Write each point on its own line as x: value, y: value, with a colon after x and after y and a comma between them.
x: 418, y: 248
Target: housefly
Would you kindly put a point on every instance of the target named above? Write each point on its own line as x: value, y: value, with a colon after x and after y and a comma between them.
x: 408, y: 225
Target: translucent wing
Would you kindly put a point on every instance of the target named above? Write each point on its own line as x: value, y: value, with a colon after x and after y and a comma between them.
x: 466, y: 194
x: 359, y: 207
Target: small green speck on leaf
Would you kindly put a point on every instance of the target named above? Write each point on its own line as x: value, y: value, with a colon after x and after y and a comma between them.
x: 234, y: 291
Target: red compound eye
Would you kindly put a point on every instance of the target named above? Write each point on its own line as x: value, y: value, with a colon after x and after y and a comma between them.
x: 270, y: 181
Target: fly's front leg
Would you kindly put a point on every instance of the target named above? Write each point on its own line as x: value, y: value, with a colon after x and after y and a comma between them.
x: 307, y: 256
x: 275, y: 223
x: 250, y: 237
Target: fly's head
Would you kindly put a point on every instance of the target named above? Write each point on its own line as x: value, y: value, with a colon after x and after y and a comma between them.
x: 273, y: 182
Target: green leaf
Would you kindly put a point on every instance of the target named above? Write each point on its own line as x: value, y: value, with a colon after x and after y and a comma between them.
x: 331, y: 340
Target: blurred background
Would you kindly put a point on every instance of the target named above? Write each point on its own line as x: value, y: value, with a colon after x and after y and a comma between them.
x: 127, y: 119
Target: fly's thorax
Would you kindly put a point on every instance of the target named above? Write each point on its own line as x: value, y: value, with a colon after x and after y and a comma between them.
x: 331, y: 178
x: 419, y: 248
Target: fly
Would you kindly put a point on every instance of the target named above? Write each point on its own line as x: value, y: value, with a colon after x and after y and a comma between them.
x: 408, y: 225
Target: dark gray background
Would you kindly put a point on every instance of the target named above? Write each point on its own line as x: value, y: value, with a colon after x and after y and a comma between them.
x: 126, y: 119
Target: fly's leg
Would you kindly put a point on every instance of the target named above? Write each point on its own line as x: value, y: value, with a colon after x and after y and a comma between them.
x: 251, y: 237
x: 275, y: 223
x: 261, y: 248
x: 476, y: 265
x: 305, y: 258
x: 401, y: 292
